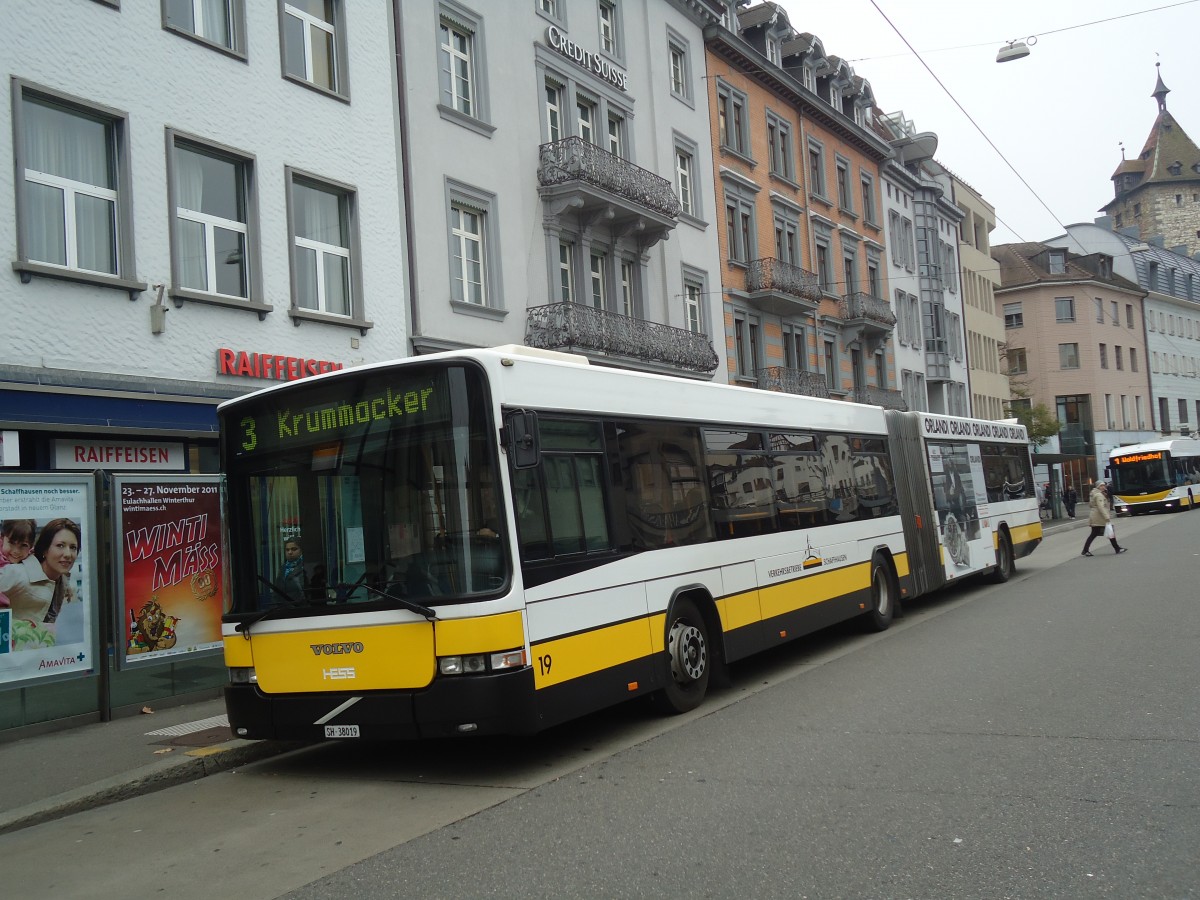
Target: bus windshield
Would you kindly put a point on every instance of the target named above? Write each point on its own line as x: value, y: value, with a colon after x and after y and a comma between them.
x: 1140, y: 473
x: 370, y: 488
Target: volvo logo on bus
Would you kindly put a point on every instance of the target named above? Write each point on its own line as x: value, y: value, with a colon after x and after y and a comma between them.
x: 336, y: 649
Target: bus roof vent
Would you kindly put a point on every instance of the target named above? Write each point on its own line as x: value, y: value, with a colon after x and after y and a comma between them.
x: 538, y: 353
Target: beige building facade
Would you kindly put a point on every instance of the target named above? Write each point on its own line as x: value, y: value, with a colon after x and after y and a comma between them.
x: 984, y: 324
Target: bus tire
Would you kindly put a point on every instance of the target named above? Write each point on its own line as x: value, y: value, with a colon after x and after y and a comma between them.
x: 687, y: 660
x: 1004, y: 560
x: 884, y: 594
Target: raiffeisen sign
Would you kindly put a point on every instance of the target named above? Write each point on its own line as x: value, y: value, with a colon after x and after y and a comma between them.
x: 593, y: 62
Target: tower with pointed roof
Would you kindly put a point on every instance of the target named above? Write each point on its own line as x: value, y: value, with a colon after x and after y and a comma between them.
x: 1158, y: 192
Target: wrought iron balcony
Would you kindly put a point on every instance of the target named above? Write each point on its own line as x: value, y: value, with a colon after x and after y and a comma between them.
x: 780, y: 288
x: 877, y: 396
x: 792, y: 381
x: 860, y: 305
x: 578, y: 328
x: 577, y: 176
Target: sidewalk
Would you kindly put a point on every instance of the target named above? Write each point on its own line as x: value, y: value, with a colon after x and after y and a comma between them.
x: 105, y: 762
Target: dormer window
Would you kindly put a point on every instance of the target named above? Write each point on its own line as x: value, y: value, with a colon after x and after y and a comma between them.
x: 773, y: 50
x: 1104, y: 265
x: 1175, y: 168
x: 1057, y: 262
x: 806, y: 77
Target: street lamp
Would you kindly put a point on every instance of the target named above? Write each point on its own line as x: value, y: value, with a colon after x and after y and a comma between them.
x: 1015, y: 49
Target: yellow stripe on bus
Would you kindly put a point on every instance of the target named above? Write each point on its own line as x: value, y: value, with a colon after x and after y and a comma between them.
x: 813, y: 589
x: 576, y: 655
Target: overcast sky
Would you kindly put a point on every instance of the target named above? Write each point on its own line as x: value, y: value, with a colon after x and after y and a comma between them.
x: 1058, y: 116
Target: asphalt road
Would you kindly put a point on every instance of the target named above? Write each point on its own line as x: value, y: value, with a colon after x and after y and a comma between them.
x: 1035, y: 739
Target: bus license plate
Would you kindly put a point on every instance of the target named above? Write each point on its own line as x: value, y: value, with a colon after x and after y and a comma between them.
x: 341, y: 731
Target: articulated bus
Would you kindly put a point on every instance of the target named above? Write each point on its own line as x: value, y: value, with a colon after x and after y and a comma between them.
x: 498, y: 540
x: 1158, y: 475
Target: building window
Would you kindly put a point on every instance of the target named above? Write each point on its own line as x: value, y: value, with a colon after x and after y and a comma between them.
x: 566, y: 272
x: 313, y: 47
x: 616, y: 135
x: 683, y: 181
x: 816, y: 169
x: 1013, y: 316
x: 75, y: 209
x: 1115, y: 310
x: 831, y: 372
x: 212, y: 233
x: 1104, y: 356
x: 1064, y: 309
x: 610, y: 41
x: 322, y: 258
x: 598, y: 280
x: 473, y: 246
x: 467, y: 281
x: 746, y: 345
x: 1099, y: 311
x: 845, y: 202
x: 549, y: 8
x: 868, y: 200
x: 779, y: 146
x: 787, y: 245
x: 824, y: 268
x: 458, y: 77
x: 1133, y: 359
x: 693, y: 292
x: 681, y: 76
x: 218, y: 22
x: 1118, y: 358
x: 739, y: 227
x: 795, y: 348
x: 628, y: 288
x: 1068, y: 356
x: 585, y: 120
x: 731, y: 119
x: 1018, y: 362
x: 1058, y: 262
x: 553, y: 112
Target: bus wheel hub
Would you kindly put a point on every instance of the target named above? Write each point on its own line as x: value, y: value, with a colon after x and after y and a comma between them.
x: 689, y: 656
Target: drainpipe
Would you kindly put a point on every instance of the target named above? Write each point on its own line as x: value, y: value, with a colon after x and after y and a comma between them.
x: 414, y: 309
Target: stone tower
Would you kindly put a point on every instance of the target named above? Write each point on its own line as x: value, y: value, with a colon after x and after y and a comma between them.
x: 1158, y: 192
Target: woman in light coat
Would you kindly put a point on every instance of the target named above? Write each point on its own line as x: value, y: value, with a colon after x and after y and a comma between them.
x: 1099, y: 515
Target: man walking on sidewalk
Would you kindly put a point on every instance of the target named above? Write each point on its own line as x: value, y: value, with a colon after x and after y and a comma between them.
x: 1100, y: 516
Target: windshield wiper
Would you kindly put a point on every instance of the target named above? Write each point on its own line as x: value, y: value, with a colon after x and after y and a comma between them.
x: 244, y: 625
x: 410, y: 605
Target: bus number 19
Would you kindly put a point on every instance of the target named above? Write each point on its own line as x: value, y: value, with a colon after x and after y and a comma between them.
x: 544, y: 664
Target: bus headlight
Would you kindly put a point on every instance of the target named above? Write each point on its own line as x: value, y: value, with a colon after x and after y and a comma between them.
x: 243, y: 675
x: 480, y: 663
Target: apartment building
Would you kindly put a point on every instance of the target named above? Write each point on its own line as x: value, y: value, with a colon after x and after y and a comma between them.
x: 559, y: 193
x: 797, y: 171
x: 1076, y: 343
x: 205, y: 200
x: 984, y: 325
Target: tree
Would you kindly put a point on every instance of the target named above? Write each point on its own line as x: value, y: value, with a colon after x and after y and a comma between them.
x: 1038, y: 420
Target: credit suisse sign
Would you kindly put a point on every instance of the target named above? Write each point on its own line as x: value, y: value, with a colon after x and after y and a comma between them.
x: 593, y: 62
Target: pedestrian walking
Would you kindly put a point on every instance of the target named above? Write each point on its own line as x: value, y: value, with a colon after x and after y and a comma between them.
x: 1100, y: 518
x: 1069, y: 499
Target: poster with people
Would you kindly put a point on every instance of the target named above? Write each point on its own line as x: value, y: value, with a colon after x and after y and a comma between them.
x: 171, y: 567
x: 47, y: 577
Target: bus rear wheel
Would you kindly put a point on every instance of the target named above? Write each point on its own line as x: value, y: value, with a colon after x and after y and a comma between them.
x: 687, y: 660
x: 883, y: 596
x: 1004, y: 559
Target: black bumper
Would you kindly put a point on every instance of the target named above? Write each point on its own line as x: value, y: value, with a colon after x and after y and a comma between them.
x: 493, y: 704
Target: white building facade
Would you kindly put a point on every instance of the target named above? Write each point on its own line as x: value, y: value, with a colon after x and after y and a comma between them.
x: 923, y: 273
x: 560, y: 179
x: 205, y: 200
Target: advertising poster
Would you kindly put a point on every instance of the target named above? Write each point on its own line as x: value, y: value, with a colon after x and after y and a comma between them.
x: 171, y: 567
x: 47, y: 556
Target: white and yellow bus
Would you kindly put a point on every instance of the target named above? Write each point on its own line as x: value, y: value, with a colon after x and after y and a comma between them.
x: 498, y: 540
x: 1157, y: 475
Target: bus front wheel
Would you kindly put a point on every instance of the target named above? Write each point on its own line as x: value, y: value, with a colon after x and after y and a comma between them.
x: 1004, y: 559
x: 687, y: 660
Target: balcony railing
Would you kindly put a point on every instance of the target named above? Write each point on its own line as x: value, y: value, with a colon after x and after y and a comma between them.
x: 792, y: 381
x: 575, y: 327
x: 860, y: 305
x: 877, y: 396
x: 772, y: 274
x: 574, y: 159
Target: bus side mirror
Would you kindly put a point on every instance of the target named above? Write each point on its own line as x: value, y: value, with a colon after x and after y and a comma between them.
x: 523, y: 449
